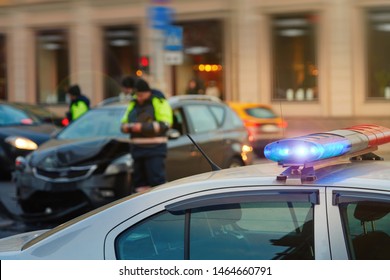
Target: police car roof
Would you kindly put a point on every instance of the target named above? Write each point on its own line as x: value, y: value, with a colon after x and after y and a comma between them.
x: 364, y: 174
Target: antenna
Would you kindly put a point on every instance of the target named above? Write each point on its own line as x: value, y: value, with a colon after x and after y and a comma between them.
x: 283, y: 121
x: 214, y: 167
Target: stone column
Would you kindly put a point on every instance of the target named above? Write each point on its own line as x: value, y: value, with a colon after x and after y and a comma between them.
x: 85, y: 54
x: 245, y: 54
x: 19, y: 58
x: 340, y: 58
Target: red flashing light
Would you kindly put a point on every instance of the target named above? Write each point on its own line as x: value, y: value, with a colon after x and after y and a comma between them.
x: 377, y: 135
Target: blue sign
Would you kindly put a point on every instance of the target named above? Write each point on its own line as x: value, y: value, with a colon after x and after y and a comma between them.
x: 173, y: 38
x: 160, y: 16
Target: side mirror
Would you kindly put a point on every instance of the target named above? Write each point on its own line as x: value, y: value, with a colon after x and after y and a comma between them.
x: 173, y: 133
x: 20, y: 163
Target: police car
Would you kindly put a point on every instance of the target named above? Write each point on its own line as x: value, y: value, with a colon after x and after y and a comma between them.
x: 328, y: 197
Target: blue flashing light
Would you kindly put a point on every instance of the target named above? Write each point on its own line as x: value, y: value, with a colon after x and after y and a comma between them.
x: 301, y: 150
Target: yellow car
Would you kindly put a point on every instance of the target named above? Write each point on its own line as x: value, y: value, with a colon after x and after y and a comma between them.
x: 263, y: 124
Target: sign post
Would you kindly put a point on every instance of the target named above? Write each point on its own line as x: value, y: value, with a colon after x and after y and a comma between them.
x: 160, y: 16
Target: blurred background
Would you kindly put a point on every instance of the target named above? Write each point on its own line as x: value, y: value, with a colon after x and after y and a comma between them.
x: 323, y: 59
x: 320, y: 64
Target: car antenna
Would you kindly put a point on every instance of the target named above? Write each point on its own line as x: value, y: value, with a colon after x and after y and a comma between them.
x: 214, y: 167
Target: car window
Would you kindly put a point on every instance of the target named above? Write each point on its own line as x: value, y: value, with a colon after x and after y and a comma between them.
x: 201, y: 118
x: 251, y: 230
x: 95, y: 123
x: 178, y: 121
x: 261, y: 113
x: 160, y: 237
x: 219, y: 113
x: 13, y: 116
x: 260, y: 230
x: 367, y: 229
x: 236, y: 121
x: 37, y: 111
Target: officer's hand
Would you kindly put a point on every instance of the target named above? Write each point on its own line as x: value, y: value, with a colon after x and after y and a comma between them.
x: 126, y: 128
x: 131, y: 127
x: 136, y: 127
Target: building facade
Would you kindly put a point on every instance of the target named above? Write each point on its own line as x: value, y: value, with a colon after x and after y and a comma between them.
x: 319, y: 58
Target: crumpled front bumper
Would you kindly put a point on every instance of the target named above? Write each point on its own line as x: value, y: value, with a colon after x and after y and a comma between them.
x: 46, y: 201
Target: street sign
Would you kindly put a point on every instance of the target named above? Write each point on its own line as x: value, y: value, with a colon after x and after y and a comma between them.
x: 173, y: 45
x: 173, y: 38
x: 160, y: 16
x: 173, y: 57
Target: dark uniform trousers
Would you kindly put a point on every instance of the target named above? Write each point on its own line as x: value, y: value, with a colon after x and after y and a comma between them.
x: 149, y: 164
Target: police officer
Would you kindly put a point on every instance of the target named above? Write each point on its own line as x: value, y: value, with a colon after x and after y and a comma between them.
x: 147, y: 119
x: 127, y: 84
x: 79, y: 104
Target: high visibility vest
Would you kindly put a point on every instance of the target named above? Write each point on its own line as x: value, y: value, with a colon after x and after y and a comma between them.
x: 156, y: 117
x: 77, y: 109
x: 162, y: 111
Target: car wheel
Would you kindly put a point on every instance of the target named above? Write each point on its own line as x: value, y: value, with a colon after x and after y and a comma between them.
x: 235, y: 162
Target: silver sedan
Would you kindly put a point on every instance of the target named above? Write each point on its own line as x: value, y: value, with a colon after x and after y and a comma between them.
x: 248, y: 212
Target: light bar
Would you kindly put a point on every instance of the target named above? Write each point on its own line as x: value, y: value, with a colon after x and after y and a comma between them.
x: 318, y: 146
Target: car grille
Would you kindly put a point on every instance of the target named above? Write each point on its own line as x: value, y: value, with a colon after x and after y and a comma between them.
x: 68, y: 174
x: 57, y: 202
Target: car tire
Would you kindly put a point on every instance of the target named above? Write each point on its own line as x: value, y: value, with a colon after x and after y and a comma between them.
x: 235, y: 162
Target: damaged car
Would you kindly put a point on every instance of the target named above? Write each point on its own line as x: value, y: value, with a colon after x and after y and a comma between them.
x: 87, y: 164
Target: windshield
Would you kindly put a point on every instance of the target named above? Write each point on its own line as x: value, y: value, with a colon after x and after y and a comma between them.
x: 100, y: 122
x: 38, y: 111
x: 261, y: 113
x: 12, y: 116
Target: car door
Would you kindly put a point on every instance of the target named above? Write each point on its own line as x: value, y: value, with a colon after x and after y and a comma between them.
x: 359, y: 223
x: 181, y: 160
x: 255, y: 223
x: 205, y: 128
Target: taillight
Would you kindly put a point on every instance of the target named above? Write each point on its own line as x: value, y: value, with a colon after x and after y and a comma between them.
x: 250, y: 124
x: 251, y: 127
x: 282, y: 124
x: 251, y: 133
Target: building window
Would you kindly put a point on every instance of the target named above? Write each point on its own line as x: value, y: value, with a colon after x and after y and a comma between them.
x: 3, y: 68
x: 294, y: 58
x: 52, y: 66
x: 120, y: 56
x: 378, y: 64
x: 202, y: 68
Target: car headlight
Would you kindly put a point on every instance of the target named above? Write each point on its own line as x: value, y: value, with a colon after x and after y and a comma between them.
x: 245, y: 150
x: 122, y: 164
x: 21, y: 143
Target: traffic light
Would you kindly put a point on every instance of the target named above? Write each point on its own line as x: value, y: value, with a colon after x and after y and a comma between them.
x: 144, y: 64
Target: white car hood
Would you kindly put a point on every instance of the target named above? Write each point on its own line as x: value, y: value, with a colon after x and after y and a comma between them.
x: 16, y: 242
